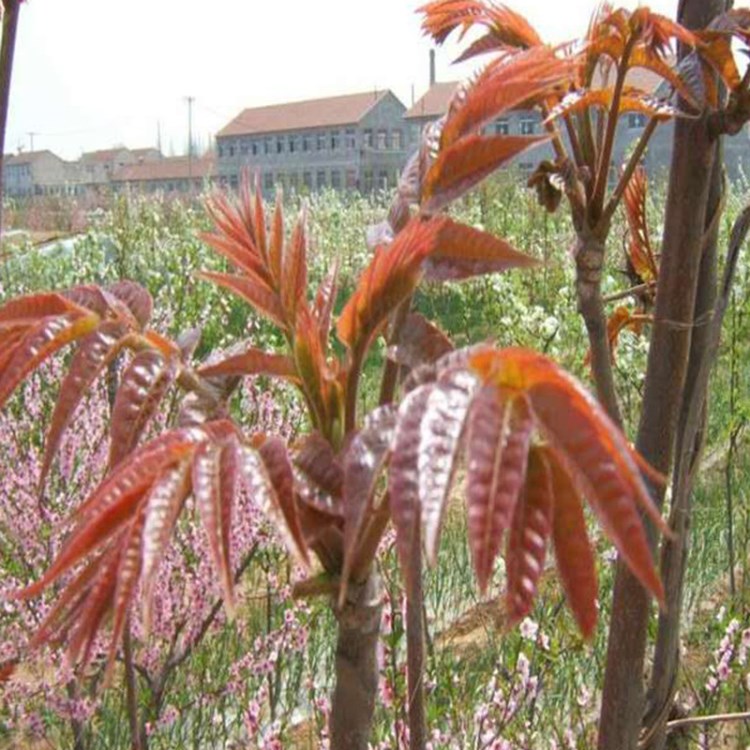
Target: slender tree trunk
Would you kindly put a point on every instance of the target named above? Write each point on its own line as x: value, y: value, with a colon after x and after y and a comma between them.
x: 7, y: 50
x: 674, y: 552
x: 356, y: 666
x: 685, y: 221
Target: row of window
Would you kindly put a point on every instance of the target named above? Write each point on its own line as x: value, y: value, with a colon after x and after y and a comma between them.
x: 381, y: 139
x: 336, y: 179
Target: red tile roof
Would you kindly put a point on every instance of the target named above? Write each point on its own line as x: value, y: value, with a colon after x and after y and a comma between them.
x: 434, y: 102
x: 313, y: 113
x: 104, y: 155
x: 168, y: 168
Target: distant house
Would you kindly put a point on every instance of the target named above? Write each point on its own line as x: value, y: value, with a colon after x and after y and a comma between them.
x: 434, y: 104
x: 177, y: 174
x: 37, y: 173
x: 96, y: 168
x: 355, y: 141
x: 657, y: 158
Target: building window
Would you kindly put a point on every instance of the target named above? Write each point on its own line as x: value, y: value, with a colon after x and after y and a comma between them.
x: 267, y: 146
x: 255, y: 148
x: 526, y: 168
x: 306, y: 142
x: 368, y: 139
x: 335, y: 140
x: 383, y: 179
x: 321, y: 178
x: 268, y: 181
x: 397, y: 140
x: 336, y: 179
x: 636, y: 120
x: 221, y: 153
x: 292, y: 144
x: 527, y: 127
x: 382, y: 142
x: 293, y: 181
x: 279, y: 145
x: 351, y: 179
x: 321, y: 141
x: 502, y: 127
x: 368, y: 184
x: 351, y: 139
x: 307, y: 180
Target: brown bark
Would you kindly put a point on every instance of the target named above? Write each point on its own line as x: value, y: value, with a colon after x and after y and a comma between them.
x: 674, y: 552
x: 356, y: 666
x: 685, y: 221
x: 589, y: 263
x: 7, y: 50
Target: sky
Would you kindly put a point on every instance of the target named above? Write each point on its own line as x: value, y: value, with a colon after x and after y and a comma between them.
x: 92, y: 74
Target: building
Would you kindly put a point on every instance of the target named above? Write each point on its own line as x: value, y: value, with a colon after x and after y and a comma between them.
x: 434, y: 104
x: 657, y: 158
x: 96, y: 168
x: 356, y: 141
x: 37, y: 173
x: 177, y: 174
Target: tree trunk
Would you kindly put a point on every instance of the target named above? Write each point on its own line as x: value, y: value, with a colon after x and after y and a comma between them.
x: 7, y: 50
x: 356, y: 666
x: 674, y: 553
x: 685, y: 221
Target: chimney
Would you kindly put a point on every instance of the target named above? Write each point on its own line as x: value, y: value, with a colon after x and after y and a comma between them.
x: 432, y: 68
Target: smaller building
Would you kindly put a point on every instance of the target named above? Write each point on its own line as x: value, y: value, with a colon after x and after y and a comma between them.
x: 434, y: 104
x: 170, y: 175
x: 37, y: 173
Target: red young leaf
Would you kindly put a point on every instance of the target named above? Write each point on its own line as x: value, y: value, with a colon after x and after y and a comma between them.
x: 320, y: 475
x: 632, y: 100
x: 529, y: 534
x: 294, y: 271
x: 505, y: 83
x: 440, y: 438
x: 94, y: 353
x: 41, y: 341
x: 505, y: 27
x: 363, y: 463
x: 253, y: 290
x: 462, y: 251
x: 465, y: 163
x: 641, y: 253
x: 419, y: 342
x: 269, y: 477
x: 499, y: 432
x: 162, y: 506
x: 252, y: 362
x: 143, y: 385
x: 136, y: 298
x: 575, y: 559
x: 403, y: 476
x: 391, y: 276
x: 592, y: 449
x: 215, y: 470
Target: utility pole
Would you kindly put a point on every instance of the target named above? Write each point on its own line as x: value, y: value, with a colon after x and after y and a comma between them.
x: 31, y: 135
x: 190, y: 100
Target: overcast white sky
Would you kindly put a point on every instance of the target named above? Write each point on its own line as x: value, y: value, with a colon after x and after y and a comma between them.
x: 91, y: 74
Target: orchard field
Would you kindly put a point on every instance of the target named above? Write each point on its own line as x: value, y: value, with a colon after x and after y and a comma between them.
x: 263, y: 680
